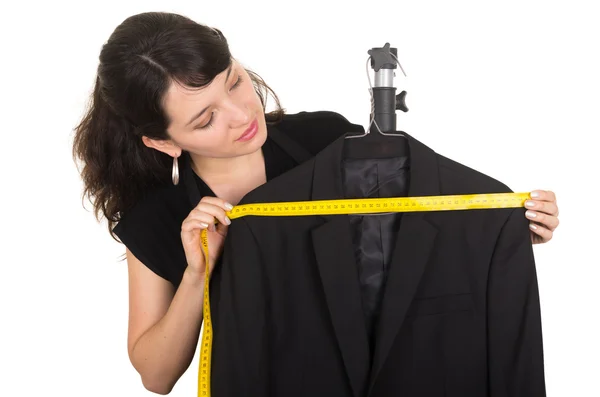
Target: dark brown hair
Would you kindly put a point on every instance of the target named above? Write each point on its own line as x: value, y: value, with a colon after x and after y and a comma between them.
x: 142, y: 57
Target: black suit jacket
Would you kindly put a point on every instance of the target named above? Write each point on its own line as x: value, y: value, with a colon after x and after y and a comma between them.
x: 460, y: 314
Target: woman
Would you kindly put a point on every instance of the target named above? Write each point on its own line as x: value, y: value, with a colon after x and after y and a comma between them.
x: 172, y: 113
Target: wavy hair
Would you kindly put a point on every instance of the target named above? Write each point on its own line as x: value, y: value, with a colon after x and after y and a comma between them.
x: 142, y: 57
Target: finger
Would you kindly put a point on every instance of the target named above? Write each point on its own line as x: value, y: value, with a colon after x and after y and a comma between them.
x: 202, y: 216
x: 222, y: 229
x: 541, y: 231
x: 548, y: 221
x: 543, y: 195
x: 213, y: 210
x: 218, y: 202
x: 547, y: 207
x: 206, y: 221
x: 192, y: 224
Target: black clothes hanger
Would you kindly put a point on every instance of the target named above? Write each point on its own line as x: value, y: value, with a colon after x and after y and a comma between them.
x: 381, y: 139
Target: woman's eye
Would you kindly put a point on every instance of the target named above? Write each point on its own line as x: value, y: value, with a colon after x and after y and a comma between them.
x: 207, y: 125
x: 238, y: 82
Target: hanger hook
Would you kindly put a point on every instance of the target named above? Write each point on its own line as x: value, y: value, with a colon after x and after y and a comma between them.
x: 383, y: 60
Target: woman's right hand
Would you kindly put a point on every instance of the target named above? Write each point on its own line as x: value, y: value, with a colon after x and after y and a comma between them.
x: 203, y: 217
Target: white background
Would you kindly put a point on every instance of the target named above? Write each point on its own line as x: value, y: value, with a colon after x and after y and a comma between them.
x: 511, y: 89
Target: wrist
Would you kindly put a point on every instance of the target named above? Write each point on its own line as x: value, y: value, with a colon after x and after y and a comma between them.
x: 193, y: 277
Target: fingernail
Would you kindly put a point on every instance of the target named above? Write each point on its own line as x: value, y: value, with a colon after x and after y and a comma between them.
x: 529, y: 203
x: 203, y: 224
x: 530, y: 214
x: 532, y: 227
x: 227, y: 220
x: 534, y: 194
x: 228, y: 206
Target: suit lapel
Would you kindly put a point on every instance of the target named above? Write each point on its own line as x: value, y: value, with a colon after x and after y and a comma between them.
x: 335, y: 259
x: 414, y: 244
x: 334, y: 252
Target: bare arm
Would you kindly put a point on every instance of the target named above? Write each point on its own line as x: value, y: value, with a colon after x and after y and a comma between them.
x: 164, y: 325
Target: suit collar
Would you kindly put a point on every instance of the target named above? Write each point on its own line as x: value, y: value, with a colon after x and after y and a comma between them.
x: 328, y: 180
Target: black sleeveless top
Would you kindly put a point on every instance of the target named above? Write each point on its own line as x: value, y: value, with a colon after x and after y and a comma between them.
x: 152, y: 228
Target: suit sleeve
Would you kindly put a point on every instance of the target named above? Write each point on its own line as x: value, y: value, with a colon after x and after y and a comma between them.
x: 515, y: 360
x: 239, y: 364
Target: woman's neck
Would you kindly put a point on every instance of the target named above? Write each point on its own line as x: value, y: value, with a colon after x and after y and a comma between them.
x: 231, y: 178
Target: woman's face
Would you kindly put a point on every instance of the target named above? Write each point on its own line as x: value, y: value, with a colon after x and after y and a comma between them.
x: 223, y: 119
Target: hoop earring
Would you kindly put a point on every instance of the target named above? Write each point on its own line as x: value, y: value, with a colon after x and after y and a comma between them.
x: 175, y: 173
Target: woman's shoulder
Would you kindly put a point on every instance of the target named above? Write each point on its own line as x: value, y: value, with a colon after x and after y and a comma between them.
x: 150, y: 228
x: 314, y: 130
x: 157, y: 204
x: 159, y: 210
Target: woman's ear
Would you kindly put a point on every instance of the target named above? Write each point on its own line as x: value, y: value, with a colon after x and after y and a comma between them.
x: 163, y: 145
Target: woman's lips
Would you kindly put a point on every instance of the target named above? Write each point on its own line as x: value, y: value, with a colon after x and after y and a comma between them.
x: 250, y: 132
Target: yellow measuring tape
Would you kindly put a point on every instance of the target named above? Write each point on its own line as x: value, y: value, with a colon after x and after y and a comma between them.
x: 342, y: 207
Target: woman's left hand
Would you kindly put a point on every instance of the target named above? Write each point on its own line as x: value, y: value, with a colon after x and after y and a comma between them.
x: 542, y: 211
